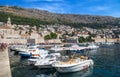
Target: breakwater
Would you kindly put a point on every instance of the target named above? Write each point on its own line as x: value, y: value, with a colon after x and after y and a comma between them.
x: 4, y: 64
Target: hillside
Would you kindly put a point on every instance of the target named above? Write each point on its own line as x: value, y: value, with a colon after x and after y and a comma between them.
x: 19, y: 16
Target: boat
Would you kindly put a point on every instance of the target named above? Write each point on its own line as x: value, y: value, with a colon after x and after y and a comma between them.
x: 32, y: 60
x: 83, y: 73
x: 47, y: 61
x: 12, y: 48
x: 73, y: 65
x: 56, y: 48
x: 109, y: 43
x: 34, y: 51
x: 21, y: 48
x: 92, y: 46
x: 76, y: 47
x: 18, y: 48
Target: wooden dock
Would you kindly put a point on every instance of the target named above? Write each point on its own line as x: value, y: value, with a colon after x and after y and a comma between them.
x: 4, y: 64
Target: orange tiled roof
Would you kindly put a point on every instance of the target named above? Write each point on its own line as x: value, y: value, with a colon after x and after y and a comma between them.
x: 24, y: 35
x: 5, y: 27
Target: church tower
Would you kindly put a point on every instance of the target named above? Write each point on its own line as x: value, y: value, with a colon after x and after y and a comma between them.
x: 9, y: 22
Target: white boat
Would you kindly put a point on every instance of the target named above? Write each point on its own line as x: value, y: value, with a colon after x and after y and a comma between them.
x: 21, y: 48
x: 73, y: 65
x: 33, y: 51
x: 76, y: 47
x: 56, y: 48
x: 109, y: 43
x: 18, y: 48
x: 92, y: 46
x: 47, y: 61
x: 83, y: 73
x: 32, y: 60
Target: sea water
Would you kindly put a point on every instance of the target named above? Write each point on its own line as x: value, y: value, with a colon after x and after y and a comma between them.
x: 106, y: 64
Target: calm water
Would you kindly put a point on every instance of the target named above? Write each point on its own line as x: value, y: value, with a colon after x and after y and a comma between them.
x: 106, y: 64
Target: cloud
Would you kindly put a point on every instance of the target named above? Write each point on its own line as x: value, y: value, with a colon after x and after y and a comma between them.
x: 42, y: 0
x: 99, y: 8
x: 94, y: 7
x: 56, y: 8
x: 52, y: 0
x: 115, y: 14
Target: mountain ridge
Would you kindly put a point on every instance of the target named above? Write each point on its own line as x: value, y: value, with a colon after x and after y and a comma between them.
x: 57, y: 18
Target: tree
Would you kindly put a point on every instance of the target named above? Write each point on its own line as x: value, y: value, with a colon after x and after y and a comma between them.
x: 73, y: 33
x: 89, y: 39
x: 47, y: 37
x: 81, y: 39
x: 53, y: 35
x: 38, y: 28
x: 30, y: 30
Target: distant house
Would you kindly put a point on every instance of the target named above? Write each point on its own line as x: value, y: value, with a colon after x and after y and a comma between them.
x: 31, y: 41
x: 82, y: 34
x: 71, y: 39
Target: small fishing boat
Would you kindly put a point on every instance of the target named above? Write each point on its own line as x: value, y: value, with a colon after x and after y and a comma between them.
x: 56, y: 48
x: 47, y: 61
x: 76, y: 47
x: 92, y: 46
x: 18, y: 48
x: 72, y: 65
x: 34, y: 51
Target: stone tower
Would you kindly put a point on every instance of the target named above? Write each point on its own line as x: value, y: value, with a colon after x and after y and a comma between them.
x: 9, y: 22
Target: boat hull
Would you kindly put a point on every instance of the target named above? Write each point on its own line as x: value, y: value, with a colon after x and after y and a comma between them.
x: 45, y: 66
x: 21, y: 50
x: 42, y: 64
x: 11, y: 49
x: 25, y: 55
x: 74, y: 68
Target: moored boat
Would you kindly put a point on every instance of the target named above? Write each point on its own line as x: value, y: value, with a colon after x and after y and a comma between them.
x: 18, y: 48
x: 47, y: 61
x: 56, y: 48
x: 92, y: 46
x: 33, y: 51
x: 73, y: 65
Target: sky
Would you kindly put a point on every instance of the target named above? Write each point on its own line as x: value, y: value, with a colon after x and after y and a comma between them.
x: 85, y: 7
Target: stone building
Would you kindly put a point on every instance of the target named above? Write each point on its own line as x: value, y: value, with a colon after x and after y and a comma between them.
x: 9, y: 35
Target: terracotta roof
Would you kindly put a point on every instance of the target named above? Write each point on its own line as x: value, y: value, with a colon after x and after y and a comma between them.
x: 5, y: 27
x: 24, y: 35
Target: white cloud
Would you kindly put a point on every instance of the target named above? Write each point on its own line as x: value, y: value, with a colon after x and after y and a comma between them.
x: 42, y: 0
x: 99, y: 8
x: 31, y: 0
x: 56, y: 8
x: 114, y: 13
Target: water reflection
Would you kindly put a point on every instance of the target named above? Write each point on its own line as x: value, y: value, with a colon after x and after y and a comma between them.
x: 45, y: 73
x: 82, y: 73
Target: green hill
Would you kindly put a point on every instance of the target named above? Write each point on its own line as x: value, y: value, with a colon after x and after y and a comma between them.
x: 36, y: 17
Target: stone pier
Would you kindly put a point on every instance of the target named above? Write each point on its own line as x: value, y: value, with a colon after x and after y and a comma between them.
x: 4, y: 64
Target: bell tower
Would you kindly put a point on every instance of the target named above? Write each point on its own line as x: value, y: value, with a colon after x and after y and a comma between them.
x: 9, y: 22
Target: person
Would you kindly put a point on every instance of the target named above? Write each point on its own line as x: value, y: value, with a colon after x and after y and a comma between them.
x: 0, y: 46
x: 4, y: 45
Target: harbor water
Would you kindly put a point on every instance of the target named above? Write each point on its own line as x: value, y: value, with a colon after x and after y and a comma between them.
x: 106, y: 64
